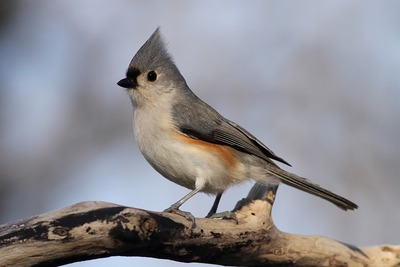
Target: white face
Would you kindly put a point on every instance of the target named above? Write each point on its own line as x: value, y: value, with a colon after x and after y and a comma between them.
x: 151, y: 89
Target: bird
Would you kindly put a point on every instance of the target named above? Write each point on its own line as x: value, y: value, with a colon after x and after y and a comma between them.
x: 190, y: 143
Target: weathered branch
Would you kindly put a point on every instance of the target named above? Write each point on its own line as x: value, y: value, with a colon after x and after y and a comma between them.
x: 90, y: 230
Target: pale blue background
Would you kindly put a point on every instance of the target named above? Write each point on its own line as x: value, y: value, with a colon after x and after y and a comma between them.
x: 316, y: 81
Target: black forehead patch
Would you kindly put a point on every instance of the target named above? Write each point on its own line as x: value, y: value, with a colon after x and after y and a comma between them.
x: 133, y: 73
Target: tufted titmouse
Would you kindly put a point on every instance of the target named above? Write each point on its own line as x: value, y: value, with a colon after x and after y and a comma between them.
x: 190, y: 143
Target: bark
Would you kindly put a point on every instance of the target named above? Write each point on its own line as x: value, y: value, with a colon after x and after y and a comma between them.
x: 90, y: 230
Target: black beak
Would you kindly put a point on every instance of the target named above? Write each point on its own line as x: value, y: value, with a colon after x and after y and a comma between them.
x: 127, y: 83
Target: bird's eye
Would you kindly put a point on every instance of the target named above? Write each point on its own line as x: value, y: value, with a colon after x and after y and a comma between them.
x: 152, y: 76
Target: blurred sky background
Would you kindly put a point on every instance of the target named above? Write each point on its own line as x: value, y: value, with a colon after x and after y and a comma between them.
x: 317, y: 81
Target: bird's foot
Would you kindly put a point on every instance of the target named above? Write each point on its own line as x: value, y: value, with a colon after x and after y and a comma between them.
x: 223, y: 215
x: 185, y: 214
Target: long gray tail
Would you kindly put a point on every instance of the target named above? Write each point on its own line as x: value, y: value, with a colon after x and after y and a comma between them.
x: 307, y: 186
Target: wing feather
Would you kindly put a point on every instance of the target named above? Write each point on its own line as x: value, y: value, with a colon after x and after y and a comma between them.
x: 204, y: 123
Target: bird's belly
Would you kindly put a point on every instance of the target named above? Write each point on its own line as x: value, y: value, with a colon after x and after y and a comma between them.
x: 194, y: 163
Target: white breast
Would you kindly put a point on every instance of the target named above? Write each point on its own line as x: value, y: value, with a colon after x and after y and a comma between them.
x: 191, y: 166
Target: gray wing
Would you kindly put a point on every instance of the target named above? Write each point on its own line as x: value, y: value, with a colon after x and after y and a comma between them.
x: 256, y: 144
x: 200, y: 121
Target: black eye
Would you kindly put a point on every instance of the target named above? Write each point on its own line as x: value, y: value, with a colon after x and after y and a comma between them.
x: 151, y: 76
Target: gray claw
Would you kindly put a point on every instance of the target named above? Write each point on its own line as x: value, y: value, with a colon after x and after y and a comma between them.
x: 224, y: 215
x: 185, y: 214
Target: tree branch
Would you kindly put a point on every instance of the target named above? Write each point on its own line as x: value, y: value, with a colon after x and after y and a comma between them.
x: 90, y: 230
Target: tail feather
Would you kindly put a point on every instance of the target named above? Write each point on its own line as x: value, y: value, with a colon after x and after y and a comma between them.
x: 309, y: 187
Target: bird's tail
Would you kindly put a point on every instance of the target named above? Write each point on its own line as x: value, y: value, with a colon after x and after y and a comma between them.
x: 309, y: 187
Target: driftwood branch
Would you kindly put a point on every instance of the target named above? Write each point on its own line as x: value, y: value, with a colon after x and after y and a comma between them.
x: 90, y: 230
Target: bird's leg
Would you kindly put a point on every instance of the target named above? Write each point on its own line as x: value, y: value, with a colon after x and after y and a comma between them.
x: 214, y: 207
x: 175, y: 208
x: 226, y: 214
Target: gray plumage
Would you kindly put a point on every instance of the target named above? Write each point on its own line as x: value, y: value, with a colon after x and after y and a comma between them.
x: 201, y: 121
x: 190, y: 143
